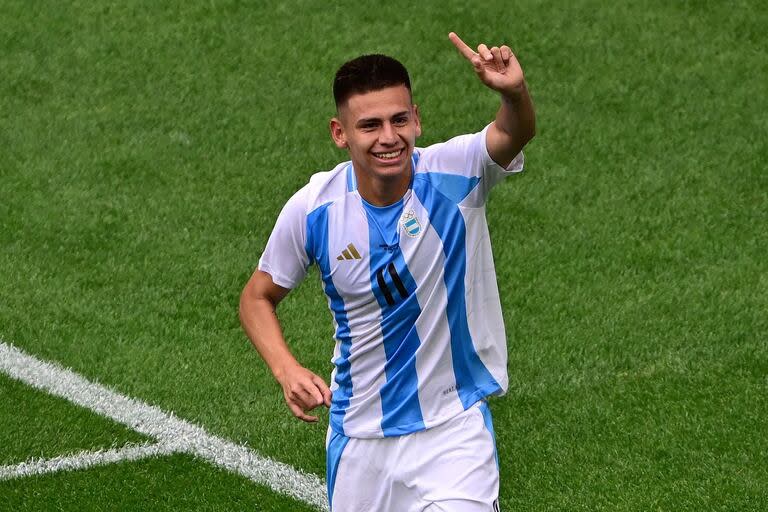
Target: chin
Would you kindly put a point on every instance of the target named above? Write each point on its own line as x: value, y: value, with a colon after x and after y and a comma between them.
x: 393, y: 169
x: 390, y: 171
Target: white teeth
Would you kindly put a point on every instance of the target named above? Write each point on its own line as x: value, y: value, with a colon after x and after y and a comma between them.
x: 393, y: 154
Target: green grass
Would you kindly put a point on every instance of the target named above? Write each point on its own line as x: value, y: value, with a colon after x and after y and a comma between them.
x: 177, y: 482
x: 147, y: 149
x: 35, y: 424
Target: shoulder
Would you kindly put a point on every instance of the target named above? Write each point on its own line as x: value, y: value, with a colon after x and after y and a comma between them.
x: 461, y: 168
x: 322, y: 188
x: 458, y: 145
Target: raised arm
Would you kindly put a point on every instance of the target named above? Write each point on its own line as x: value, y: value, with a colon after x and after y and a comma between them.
x: 303, y: 390
x: 515, y: 123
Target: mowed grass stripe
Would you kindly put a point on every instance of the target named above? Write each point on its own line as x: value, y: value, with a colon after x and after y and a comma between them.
x: 175, y: 433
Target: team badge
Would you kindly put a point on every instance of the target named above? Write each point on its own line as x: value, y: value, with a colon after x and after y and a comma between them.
x: 410, y: 224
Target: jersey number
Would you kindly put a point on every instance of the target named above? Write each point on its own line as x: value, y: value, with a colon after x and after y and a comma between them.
x: 395, y: 279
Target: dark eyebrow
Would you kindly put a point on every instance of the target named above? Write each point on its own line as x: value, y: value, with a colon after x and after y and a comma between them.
x: 368, y: 120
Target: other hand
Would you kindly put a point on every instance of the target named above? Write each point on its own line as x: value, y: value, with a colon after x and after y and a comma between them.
x: 303, y: 391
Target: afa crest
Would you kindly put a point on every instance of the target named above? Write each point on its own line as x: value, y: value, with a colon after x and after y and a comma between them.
x: 410, y: 224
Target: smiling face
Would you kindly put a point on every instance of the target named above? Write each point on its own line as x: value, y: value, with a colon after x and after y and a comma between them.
x: 379, y: 129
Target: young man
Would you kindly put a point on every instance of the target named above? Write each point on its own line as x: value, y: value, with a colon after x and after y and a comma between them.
x: 401, y: 241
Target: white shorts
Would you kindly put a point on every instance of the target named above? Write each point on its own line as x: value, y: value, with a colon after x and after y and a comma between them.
x: 451, y: 467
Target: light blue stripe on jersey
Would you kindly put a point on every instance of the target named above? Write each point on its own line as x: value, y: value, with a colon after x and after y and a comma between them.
x: 351, y: 179
x: 473, y: 380
x: 488, y: 420
x: 455, y: 186
x: 335, y: 449
x: 385, y: 219
x: 401, y: 411
x: 317, y: 249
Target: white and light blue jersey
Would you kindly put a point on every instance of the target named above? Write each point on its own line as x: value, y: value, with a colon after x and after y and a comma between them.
x: 411, y: 287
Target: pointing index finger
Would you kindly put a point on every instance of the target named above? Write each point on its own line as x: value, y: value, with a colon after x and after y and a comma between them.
x: 460, y: 45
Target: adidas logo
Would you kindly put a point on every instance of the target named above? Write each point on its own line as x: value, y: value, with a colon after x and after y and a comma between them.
x: 350, y: 253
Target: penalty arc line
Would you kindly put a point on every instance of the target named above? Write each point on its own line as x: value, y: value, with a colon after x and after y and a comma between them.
x: 84, y: 460
x: 171, y: 432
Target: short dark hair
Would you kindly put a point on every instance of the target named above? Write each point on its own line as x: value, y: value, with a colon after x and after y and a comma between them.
x: 368, y: 73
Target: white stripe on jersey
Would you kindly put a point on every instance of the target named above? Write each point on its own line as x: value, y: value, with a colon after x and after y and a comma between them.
x: 352, y: 279
x: 486, y: 322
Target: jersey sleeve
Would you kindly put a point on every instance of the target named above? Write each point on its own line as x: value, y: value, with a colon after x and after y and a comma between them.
x: 285, y: 257
x: 467, y: 155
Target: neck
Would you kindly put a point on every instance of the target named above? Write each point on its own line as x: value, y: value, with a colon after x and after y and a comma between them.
x: 383, y: 191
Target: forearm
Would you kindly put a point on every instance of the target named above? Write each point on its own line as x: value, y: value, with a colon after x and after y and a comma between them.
x: 259, y: 320
x: 516, y: 117
x: 302, y: 389
x: 515, y: 124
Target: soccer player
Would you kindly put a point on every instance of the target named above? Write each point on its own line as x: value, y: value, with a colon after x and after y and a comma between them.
x: 402, y: 245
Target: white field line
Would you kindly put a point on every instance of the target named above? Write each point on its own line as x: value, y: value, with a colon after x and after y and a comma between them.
x: 84, y: 460
x: 177, y: 434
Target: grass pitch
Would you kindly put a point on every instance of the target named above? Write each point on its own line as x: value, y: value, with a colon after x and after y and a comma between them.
x: 145, y: 151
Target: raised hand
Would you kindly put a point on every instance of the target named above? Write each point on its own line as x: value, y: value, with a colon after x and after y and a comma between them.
x: 496, y: 67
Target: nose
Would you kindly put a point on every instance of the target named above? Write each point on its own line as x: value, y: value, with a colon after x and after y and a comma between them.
x: 387, y: 135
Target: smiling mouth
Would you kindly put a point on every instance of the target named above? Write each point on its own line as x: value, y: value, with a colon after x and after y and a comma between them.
x: 391, y: 155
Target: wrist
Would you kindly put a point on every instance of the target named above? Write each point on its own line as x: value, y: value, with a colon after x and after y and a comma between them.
x: 513, y: 94
x: 283, y: 368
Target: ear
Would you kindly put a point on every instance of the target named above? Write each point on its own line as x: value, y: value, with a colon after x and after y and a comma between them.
x: 417, y: 119
x: 337, y: 133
